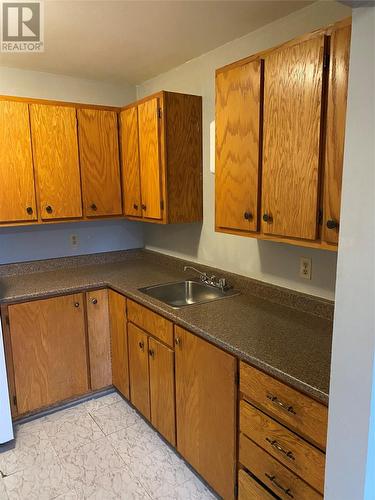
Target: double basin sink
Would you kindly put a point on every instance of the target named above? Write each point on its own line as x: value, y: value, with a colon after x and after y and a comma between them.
x: 187, y: 293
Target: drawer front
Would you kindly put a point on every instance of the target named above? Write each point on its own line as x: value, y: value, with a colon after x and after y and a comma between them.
x: 249, y: 489
x: 273, y: 474
x: 153, y: 323
x: 299, y: 456
x: 293, y: 409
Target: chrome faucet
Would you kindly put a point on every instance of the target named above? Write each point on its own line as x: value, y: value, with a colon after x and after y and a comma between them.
x: 210, y: 280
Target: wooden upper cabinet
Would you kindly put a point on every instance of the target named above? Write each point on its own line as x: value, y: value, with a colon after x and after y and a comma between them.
x: 293, y: 82
x: 161, y: 153
x: 206, y: 397
x: 17, y: 197
x: 131, y: 183
x: 150, y: 162
x: 49, y: 351
x: 99, y: 159
x: 238, y: 105
x: 99, y: 336
x: 55, y: 147
x: 335, y: 132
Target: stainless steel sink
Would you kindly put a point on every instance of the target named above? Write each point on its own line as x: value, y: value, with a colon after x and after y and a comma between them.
x: 186, y: 293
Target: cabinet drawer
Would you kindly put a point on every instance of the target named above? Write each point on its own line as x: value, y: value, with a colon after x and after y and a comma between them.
x: 273, y: 474
x: 153, y: 323
x: 249, y: 489
x: 299, y: 456
x: 295, y: 410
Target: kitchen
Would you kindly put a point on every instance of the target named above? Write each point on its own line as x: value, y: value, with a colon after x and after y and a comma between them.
x: 147, y: 186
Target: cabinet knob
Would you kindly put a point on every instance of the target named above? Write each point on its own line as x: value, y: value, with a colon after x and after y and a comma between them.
x: 29, y: 210
x: 177, y: 341
x: 267, y: 218
x: 143, y: 207
x: 94, y: 301
x: 248, y: 215
x: 151, y: 353
x: 93, y: 206
x: 332, y: 224
x: 141, y: 346
x: 49, y: 209
x: 76, y: 304
x: 135, y: 206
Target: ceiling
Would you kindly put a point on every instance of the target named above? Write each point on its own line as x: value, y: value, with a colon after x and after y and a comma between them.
x: 133, y: 41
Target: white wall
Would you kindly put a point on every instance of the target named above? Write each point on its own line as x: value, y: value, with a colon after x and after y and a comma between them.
x: 266, y: 261
x: 350, y: 448
x: 38, y: 242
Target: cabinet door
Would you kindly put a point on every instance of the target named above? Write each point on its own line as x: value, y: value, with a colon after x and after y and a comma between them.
x: 55, y: 147
x: 17, y: 200
x: 291, y: 148
x: 119, y: 342
x: 131, y: 183
x: 99, y: 339
x: 162, y: 393
x: 99, y: 159
x: 238, y: 102
x: 49, y: 351
x: 206, y: 410
x: 139, y: 370
x: 149, y: 153
x: 335, y: 132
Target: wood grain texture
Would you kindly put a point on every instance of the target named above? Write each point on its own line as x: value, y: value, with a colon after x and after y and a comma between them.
x: 335, y: 130
x: 291, y: 146
x: 309, y: 418
x: 99, y: 339
x: 99, y: 159
x: 299, y: 456
x: 131, y: 182
x: 205, y: 410
x: 55, y: 148
x: 149, y: 154
x: 249, y: 489
x: 16, y: 164
x: 237, y: 168
x: 151, y: 322
x: 162, y: 389
x: 264, y: 467
x: 119, y: 342
x: 183, y: 143
x: 49, y: 351
x: 9, y: 360
x: 139, y: 370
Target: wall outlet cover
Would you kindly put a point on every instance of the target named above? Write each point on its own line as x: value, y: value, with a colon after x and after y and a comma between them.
x: 74, y: 240
x: 305, y: 265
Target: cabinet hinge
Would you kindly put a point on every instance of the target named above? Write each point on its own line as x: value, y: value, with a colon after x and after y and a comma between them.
x: 159, y: 113
x: 236, y: 490
x: 237, y: 378
x: 15, y: 400
x: 326, y: 60
x: 320, y: 217
x: 162, y: 205
x: 7, y: 320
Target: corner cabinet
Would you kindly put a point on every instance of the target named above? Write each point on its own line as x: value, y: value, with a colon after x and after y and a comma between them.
x: 161, y: 154
x: 280, y: 128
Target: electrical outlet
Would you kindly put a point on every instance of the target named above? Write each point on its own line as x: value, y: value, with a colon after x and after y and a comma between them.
x: 74, y: 240
x: 305, y: 268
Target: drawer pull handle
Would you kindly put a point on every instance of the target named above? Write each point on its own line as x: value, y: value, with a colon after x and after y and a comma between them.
x: 279, y: 448
x: 281, y: 404
x: 274, y: 481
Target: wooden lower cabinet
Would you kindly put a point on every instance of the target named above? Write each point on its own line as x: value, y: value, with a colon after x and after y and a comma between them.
x: 139, y: 369
x: 119, y: 342
x: 162, y: 389
x: 49, y: 351
x: 250, y: 489
x: 99, y: 339
x: 206, y: 397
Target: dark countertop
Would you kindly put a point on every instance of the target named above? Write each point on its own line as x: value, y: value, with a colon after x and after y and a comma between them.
x: 292, y: 345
